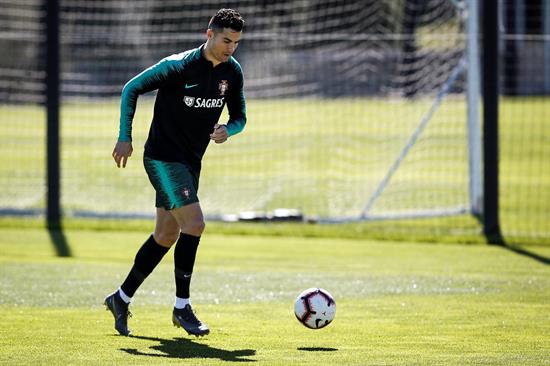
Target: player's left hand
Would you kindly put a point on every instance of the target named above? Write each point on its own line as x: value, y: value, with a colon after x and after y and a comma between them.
x: 220, y: 134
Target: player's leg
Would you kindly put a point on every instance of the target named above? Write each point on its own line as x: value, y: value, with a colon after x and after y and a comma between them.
x: 147, y: 258
x: 191, y: 221
x: 176, y: 186
x: 151, y: 252
x: 167, y: 229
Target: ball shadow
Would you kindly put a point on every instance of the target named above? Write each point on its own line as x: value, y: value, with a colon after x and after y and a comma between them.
x: 317, y: 349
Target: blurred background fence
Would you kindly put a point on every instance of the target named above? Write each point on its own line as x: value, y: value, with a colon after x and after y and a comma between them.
x: 358, y: 110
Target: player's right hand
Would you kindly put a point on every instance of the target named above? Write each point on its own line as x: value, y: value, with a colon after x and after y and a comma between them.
x: 121, y: 153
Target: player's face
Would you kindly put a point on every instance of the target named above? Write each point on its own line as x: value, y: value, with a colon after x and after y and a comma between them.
x: 221, y: 45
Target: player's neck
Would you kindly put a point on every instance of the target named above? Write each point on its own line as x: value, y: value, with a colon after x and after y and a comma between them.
x: 208, y: 55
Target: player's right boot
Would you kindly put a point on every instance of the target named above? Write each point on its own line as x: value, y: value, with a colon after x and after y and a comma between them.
x: 119, y: 309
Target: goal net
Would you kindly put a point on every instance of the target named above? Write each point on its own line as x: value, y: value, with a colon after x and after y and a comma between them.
x: 356, y: 109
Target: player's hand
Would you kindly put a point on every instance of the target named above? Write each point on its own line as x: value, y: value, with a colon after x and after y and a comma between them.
x: 220, y: 134
x: 121, y: 153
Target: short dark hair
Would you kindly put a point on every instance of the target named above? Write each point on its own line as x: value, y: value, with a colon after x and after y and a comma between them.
x: 226, y: 18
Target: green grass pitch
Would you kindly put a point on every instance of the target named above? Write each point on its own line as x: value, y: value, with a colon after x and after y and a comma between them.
x: 397, y: 303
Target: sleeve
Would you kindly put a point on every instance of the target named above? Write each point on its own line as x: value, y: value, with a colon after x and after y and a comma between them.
x: 148, y: 80
x: 236, y: 106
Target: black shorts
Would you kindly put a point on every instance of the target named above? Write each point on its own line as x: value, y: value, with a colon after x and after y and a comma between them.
x: 175, y: 184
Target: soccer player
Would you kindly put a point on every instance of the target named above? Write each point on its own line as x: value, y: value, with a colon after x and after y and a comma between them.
x: 193, y: 88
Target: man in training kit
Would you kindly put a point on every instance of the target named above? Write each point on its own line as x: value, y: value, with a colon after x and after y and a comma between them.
x: 193, y: 88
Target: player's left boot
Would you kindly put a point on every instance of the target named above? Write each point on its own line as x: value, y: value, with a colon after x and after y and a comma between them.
x: 186, y: 319
x: 119, y: 309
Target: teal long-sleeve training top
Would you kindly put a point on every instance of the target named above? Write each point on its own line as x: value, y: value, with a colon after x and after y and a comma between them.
x: 190, y: 99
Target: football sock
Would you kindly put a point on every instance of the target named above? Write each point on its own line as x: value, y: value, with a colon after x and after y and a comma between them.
x: 180, y: 303
x: 147, y: 258
x: 184, y: 260
x: 124, y: 297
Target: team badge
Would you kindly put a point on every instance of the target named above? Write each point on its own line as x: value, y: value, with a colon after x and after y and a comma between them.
x: 189, y: 100
x: 223, y: 86
x: 186, y: 192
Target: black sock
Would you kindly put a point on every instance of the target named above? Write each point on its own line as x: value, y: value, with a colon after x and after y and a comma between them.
x: 184, y: 259
x: 147, y: 258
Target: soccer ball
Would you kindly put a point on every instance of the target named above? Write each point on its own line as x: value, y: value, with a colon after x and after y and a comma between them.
x: 315, y: 308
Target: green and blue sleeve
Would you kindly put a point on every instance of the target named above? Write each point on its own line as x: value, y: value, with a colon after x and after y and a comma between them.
x: 148, y: 80
x: 236, y: 106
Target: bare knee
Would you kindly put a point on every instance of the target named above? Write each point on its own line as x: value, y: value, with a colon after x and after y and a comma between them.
x: 190, y: 219
x: 166, y: 238
x: 194, y: 227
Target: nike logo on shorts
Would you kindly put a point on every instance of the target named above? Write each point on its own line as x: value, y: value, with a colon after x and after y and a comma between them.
x: 187, y: 86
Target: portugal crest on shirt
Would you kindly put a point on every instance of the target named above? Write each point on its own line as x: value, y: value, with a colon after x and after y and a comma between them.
x: 186, y: 192
x: 223, y: 86
x: 189, y: 100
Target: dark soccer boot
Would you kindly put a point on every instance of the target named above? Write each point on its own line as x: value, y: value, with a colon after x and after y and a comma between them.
x: 119, y: 309
x: 186, y: 319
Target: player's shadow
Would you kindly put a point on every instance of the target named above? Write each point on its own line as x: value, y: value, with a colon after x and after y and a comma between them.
x: 186, y: 348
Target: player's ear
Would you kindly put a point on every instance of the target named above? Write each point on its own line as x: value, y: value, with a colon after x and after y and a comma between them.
x: 209, y: 33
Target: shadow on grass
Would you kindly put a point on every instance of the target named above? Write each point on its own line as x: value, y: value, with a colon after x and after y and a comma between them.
x: 498, y: 240
x: 519, y: 250
x: 59, y: 241
x: 317, y: 349
x: 186, y: 348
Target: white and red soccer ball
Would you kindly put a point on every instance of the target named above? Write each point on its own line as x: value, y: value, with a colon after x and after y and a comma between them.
x: 315, y: 308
